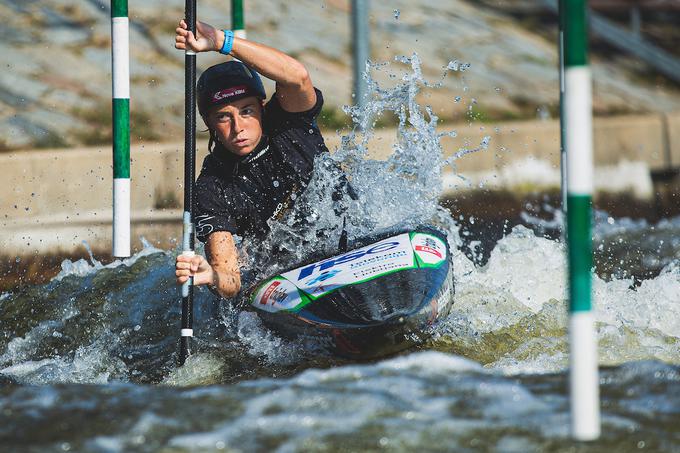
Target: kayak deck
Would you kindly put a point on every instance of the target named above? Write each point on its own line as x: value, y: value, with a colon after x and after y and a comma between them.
x: 375, y: 300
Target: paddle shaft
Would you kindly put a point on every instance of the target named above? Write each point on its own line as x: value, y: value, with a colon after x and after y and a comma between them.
x: 189, y: 177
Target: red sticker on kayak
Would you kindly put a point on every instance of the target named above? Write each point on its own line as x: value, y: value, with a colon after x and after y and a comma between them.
x: 268, y: 292
x: 426, y: 249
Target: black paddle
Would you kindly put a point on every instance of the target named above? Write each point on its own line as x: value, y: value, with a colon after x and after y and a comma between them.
x: 189, y: 177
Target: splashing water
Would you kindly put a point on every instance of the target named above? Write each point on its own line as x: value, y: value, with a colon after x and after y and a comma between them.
x: 403, y: 190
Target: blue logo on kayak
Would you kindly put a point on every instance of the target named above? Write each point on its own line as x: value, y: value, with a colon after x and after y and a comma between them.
x: 323, y: 277
x: 346, y: 258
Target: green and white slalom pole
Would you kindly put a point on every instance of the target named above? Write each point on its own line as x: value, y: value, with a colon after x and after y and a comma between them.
x: 120, y: 63
x: 238, y: 25
x: 585, y: 406
x: 187, y: 332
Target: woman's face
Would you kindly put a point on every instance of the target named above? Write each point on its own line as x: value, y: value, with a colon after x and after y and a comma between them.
x: 238, y: 125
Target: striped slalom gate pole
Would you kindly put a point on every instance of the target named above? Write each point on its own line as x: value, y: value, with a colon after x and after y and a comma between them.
x: 584, y: 391
x: 186, y: 332
x: 120, y: 64
x: 238, y: 25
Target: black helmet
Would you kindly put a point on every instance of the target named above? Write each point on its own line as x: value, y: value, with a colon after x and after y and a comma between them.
x: 227, y: 82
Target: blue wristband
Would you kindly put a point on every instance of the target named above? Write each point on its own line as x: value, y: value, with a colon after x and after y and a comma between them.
x: 228, y: 42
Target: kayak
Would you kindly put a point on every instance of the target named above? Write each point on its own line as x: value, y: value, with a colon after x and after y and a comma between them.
x: 378, y: 298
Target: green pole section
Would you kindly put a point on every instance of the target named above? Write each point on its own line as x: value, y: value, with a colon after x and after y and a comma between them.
x: 580, y: 252
x: 119, y: 8
x: 237, y: 17
x: 121, y: 138
x: 576, y: 33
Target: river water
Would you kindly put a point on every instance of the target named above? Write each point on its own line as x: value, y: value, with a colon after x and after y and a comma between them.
x: 87, y: 361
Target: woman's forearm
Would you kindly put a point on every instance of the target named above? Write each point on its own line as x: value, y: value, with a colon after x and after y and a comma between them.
x: 270, y: 62
x: 226, y: 283
x: 223, y: 262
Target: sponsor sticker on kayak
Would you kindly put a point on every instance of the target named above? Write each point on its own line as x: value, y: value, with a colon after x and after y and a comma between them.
x: 296, y: 288
x: 366, y: 263
x: 429, y: 249
x: 277, y: 294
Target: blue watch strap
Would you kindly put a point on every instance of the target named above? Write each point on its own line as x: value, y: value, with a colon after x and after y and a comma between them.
x: 228, y: 42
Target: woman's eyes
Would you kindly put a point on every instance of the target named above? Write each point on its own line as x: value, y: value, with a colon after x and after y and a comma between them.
x: 225, y: 117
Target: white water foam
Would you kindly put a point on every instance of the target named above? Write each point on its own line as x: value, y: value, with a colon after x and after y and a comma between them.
x: 91, y: 364
x: 82, y: 268
x: 524, y: 284
x: 263, y: 343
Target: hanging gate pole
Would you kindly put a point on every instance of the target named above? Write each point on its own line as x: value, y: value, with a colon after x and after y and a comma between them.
x: 584, y: 391
x: 120, y: 67
x: 189, y: 177
x: 360, y: 47
x: 563, y: 125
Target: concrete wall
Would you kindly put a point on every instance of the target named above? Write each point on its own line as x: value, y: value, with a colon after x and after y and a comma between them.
x: 57, y: 198
x: 673, y: 129
x: 633, y: 138
x: 45, y: 182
